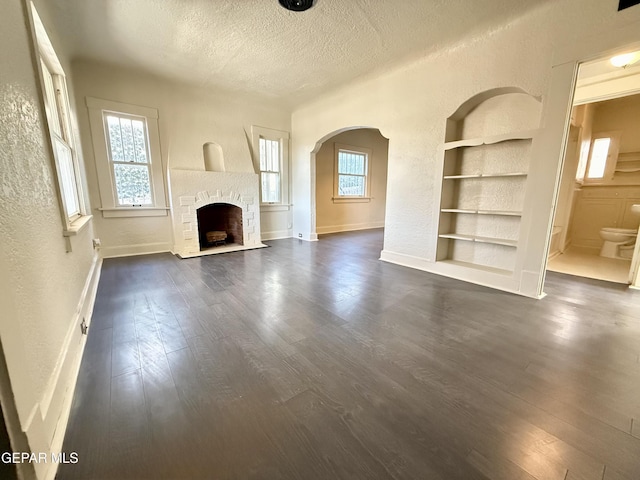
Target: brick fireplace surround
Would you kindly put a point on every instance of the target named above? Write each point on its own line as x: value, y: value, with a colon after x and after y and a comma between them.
x: 191, y: 190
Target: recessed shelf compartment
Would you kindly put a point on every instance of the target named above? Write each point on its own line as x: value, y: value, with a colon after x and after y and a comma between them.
x: 486, y: 268
x: 474, y: 238
x: 487, y: 150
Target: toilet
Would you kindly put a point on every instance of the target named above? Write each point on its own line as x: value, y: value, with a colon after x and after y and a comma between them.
x: 618, y: 242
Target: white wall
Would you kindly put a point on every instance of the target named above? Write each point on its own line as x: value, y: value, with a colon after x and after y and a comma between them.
x: 338, y: 217
x: 189, y: 117
x: 43, y: 289
x: 410, y: 105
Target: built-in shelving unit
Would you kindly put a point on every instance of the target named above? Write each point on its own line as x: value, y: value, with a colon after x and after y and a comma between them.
x: 628, y: 162
x: 484, y: 176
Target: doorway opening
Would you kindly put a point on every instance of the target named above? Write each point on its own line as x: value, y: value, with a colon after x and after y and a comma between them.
x: 350, y: 184
x: 595, y: 224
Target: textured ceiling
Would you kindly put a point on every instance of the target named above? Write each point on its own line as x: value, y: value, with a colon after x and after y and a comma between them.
x: 257, y: 46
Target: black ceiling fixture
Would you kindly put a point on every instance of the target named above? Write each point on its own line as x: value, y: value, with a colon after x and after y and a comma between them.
x: 297, y: 5
x: 623, y: 4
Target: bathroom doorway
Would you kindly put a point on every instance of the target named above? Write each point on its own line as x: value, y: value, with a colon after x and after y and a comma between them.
x: 595, y: 224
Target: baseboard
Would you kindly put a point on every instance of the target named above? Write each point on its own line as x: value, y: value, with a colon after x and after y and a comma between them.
x: 276, y: 235
x: 48, y: 422
x: 349, y: 227
x: 131, y: 250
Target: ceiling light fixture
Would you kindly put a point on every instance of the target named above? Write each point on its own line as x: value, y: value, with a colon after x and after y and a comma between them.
x: 297, y: 5
x: 626, y: 59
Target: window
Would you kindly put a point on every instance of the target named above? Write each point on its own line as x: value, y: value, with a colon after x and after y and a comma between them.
x: 351, y: 173
x: 57, y: 110
x: 128, y: 153
x: 270, y: 171
x: 603, y: 154
x: 271, y: 160
x: 126, y: 146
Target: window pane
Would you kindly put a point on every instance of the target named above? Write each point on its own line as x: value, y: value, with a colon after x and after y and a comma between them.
x: 263, y: 154
x: 139, y: 144
x: 67, y: 178
x: 269, y: 155
x: 115, y: 139
x: 270, y: 187
x: 599, y: 158
x: 351, y: 163
x: 132, y: 184
x: 127, y: 140
x: 350, y: 185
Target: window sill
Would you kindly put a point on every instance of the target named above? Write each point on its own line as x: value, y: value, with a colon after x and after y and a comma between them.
x: 77, y: 226
x: 134, y: 212
x: 351, y: 199
x: 275, y: 207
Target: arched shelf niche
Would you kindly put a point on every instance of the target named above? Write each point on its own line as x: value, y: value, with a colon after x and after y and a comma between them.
x: 213, y: 157
x: 487, y: 151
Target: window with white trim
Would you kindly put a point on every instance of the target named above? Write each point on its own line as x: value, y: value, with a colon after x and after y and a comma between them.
x: 128, y: 152
x: 57, y: 110
x: 601, y: 162
x: 270, y: 166
x: 271, y: 160
x: 352, y: 170
x: 126, y: 146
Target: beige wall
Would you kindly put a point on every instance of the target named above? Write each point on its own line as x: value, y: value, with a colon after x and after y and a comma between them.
x: 44, y: 290
x: 621, y: 114
x: 189, y: 117
x: 338, y: 217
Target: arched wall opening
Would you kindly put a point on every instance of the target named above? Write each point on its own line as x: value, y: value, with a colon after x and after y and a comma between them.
x: 362, y: 150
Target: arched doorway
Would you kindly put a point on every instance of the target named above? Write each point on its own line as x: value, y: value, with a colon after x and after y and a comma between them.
x: 349, y: 180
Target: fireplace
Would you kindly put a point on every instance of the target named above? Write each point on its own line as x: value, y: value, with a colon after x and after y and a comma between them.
x: 219, y: 224
x: 217, y: 203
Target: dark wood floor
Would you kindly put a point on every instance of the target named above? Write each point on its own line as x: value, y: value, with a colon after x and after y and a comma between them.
x: 318, y: 361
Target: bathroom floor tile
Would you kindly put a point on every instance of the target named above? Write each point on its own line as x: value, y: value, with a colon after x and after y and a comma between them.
x: 575, y: 261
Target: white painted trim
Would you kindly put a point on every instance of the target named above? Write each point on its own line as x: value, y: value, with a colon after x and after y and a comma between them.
x: 349, y: 227
x: 138, y: 249
x: 55, y: 406
x: 101, y: 104
x: 89, y: 294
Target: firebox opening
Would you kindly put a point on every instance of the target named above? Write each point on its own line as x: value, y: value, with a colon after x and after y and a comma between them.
x: 219, y: 224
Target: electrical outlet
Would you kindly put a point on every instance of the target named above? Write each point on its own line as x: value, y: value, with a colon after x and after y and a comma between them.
x: 97, y: 243
x: 83, y: 326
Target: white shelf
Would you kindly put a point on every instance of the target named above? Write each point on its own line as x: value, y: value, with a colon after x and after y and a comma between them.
x: 505, y: 137
x: 486, y: 175
x: 482, y: 212
x: 627, y: 170
x: 475, y: 238
x: 476, y: 266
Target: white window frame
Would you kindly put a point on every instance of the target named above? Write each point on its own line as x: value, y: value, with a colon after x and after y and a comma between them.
x: 61, y: 133
x: 98, y: 109
x: 367, y: 152
x: 282, y: 137
x: 612, y: 157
